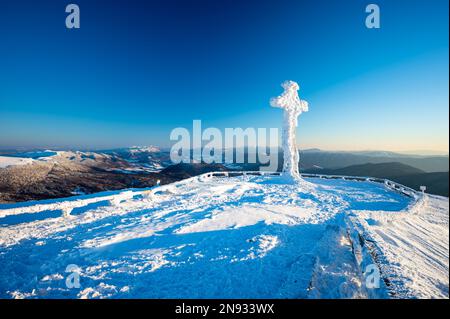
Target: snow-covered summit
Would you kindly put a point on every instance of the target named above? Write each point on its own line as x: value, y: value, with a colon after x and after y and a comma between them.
x: 7, y: 161
x: 148, y: 149
x: 237, y: 237
x: 26, y: 158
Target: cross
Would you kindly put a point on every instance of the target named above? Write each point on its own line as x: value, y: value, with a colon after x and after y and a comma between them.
x: 293, y: 107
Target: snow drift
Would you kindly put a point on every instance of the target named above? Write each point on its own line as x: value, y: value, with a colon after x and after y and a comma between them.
x: 229, y: 237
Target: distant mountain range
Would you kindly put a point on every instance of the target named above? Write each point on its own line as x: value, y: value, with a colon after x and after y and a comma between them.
x: 67, y: 173
x: 51, y: 174
x: 184, y: 170
x: 381, y: 170
x: 326, y: 159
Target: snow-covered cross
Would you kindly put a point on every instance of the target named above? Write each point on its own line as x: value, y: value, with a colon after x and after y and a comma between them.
x: 293, y: 107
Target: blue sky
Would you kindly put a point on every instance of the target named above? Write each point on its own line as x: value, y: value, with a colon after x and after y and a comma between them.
x: 137, y: 69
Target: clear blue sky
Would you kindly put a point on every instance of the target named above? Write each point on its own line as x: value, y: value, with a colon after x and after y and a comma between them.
x: 137, y: 69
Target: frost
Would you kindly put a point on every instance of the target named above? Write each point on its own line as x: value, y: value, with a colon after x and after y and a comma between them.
x: 290, y: 102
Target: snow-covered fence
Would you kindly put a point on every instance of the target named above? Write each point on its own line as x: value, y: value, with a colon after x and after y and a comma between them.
x: 405, y: 190
x: 241, y: 173
x: 67, y: 206
x: 115, y: 199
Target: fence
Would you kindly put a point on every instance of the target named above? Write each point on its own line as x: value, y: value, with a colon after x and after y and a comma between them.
x: 388, y: 183
x: 67, y: 206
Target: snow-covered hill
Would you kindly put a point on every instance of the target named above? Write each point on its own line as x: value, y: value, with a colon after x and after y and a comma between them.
x: 6, y: 161
x: 59, y: 174
x: 229, y: 237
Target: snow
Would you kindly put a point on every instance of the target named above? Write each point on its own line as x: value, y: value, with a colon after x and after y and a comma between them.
x: 290, y: 102
x: 6, y: 161
x: 230, y: 237
x: 27, y: 158
x: 149, y: 149
x: 414, y: 246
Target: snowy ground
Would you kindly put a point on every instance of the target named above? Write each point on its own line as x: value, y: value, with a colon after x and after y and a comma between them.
x: 239, y: 237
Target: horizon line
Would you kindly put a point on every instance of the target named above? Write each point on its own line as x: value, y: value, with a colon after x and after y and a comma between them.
x: 425, y: 152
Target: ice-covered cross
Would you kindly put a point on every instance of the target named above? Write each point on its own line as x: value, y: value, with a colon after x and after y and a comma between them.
x: 293, y: 107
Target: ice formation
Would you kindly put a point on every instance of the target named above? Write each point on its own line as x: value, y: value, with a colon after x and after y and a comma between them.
x: 293, y: 107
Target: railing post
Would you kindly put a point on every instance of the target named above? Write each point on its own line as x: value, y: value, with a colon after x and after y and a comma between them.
x: 423, y: 188
x: 66, y: 211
